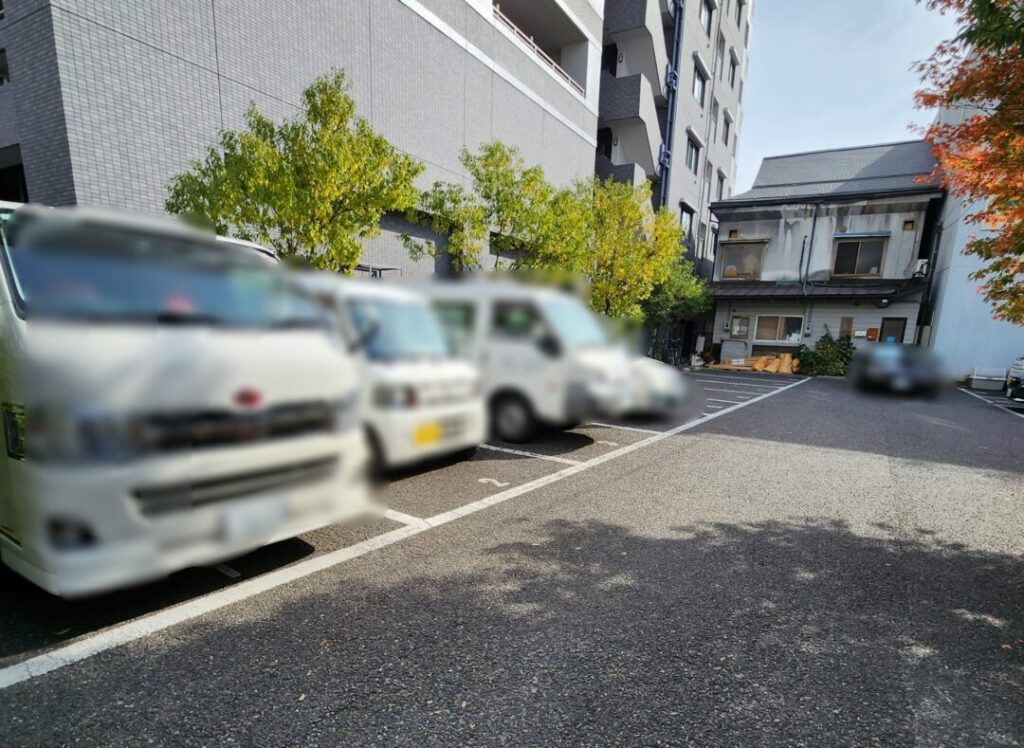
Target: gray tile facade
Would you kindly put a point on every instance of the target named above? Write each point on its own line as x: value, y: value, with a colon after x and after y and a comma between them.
x: 110, y: 98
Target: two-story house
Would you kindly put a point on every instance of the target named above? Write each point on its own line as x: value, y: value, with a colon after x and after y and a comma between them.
x: 836, y: 241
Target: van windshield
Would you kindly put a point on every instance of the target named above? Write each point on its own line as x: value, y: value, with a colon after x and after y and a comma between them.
x: 398, y: 330
x: 576, y: 325
x: 102, y: 273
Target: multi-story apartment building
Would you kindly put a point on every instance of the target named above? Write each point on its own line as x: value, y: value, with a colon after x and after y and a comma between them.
x: 838, y: 241
x: 103, y: 101
x: 672, y: 78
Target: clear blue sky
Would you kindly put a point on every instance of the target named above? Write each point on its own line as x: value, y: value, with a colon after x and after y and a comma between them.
x: 833, y: 73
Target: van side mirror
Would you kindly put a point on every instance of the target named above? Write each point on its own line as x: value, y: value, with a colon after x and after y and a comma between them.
x: 550, y: 346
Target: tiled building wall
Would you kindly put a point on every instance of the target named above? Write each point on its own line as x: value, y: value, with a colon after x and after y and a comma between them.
x: 145, y: 87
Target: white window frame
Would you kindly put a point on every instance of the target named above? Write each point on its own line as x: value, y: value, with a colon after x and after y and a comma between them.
x: 780, y: 317
x: 692, y: 146
x: 707, y: 14
x: 698, y: 74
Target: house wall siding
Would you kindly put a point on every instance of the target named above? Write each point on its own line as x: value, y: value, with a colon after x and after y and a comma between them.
x: 824, y: 316
x: 786, y: 235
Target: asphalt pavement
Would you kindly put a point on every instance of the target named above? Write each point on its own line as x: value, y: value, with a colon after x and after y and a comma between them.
x: 801, y: 565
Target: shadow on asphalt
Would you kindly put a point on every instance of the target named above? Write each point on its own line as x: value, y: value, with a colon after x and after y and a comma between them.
x: 951, y: 428
x: 801, y: 633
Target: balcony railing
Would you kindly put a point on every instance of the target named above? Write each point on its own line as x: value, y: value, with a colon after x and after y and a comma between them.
x: 529, y: 42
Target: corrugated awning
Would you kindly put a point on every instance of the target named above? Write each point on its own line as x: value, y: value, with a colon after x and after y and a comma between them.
x: 766, y: 290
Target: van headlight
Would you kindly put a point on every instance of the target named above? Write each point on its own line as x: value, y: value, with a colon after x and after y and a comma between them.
x: 394, y: 396
x: 346, y: 412
x: 53, y: 435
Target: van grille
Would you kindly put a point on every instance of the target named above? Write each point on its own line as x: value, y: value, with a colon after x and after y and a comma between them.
x: 176, y: 431
x: 157, y: 500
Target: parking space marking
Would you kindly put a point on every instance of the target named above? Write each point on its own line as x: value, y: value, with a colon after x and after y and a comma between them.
x: 735, y: 392
x: 624, y: 428
x: 125, y: 633
x: 522, y: 453
x: 402, y: 518
x: 758, y: 380
x: 718, y: 380
x: 993, y: 403
x: 734, y: 402
x: 228, y: 571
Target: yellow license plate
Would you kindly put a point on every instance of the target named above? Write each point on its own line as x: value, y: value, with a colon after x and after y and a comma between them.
x: 427, y: 433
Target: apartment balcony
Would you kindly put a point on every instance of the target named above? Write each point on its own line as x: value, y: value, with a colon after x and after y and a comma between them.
x: 637, y: 28
x: 550, y: 35
x: 627, y: 108
x: 628, y: 173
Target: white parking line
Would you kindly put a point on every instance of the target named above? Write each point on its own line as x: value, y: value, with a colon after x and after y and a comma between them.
x: 734, y: 402
x: 130, y: 631
x: 228, y: 571
x: 992, y: 403
x: 714, y: 407
x: 717, y: 380
x: 763, y: 380
x: 522, y: 453
x: 402, y: 518
x: 735, y: 392
x: 624, y: 428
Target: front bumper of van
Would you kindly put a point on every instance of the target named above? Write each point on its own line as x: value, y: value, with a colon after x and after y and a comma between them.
x: 90, y: 529
x: 594, y: 399
x: 408, y: 436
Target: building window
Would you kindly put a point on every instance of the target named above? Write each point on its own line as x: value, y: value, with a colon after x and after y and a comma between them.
x: 686, y: 220
x: 1, y: 10
x: 726, y: 127
x: 739, y: 12
x: 720, y: 57
x: 721, y: 186
x: 714, y: 120
x: 735, y: 144
x: 5, y: 73
x: 739, y: 328
x: 778, y: 329
x: 700, y: 84
x: 707, y: 182
x: 741, y: 261
x: 705, y: 16
x: 846, y: 327
x: 739, y: 97
x: 692, y: 155
x: 725, y: 8
x: 701, y: 239
x: 733, y: 67
x: 859, y: 257
x: 746, y: 35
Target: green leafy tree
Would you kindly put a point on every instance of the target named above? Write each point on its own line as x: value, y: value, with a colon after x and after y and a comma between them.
x: 632, y: 247
x: 681, y: 296
x: 510, y: 207
x: 314, y: 186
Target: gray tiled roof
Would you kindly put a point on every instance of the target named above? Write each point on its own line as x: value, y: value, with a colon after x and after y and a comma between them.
x: 890, y: 167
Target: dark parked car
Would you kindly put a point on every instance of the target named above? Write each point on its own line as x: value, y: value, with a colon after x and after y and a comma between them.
x: 895, y: 368
x: 1015, y: 381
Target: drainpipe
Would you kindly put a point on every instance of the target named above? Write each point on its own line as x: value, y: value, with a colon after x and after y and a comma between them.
x: 810, y: 250
x: 673, y: 87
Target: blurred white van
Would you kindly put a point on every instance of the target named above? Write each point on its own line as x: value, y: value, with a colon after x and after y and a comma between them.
x: 419, y: 401
x: 544, y: 357
x: 165, y: 402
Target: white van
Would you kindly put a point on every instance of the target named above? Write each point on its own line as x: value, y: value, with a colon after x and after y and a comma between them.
x: 166, y: 402
x: 419, y: 401
x: 543, y: 356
